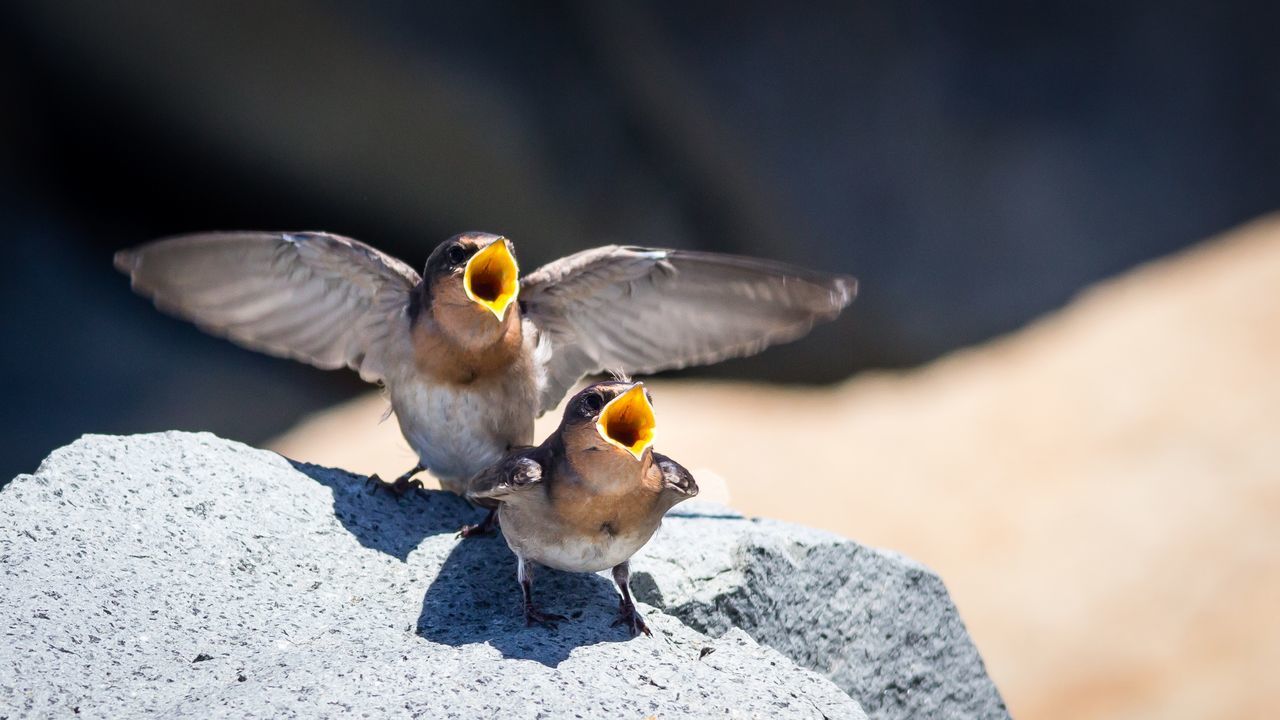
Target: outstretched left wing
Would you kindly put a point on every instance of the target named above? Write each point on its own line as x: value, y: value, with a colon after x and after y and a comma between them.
x: 641, y: 310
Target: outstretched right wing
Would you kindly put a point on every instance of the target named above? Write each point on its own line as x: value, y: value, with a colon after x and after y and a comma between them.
x: 323, y: 299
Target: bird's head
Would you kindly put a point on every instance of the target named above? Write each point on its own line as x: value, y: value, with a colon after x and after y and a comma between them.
x: 474, y: 270
x: 614, y: 416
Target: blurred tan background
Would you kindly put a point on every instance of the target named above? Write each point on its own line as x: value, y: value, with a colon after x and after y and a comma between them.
x: 1100, y: 490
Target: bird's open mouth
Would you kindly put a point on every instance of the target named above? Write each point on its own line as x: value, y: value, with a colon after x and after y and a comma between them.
x: 628, y: 421
x: 492, y: 277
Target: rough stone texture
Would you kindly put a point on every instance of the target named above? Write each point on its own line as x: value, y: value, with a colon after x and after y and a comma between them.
x: 880, y: 625
x: 185, y: 575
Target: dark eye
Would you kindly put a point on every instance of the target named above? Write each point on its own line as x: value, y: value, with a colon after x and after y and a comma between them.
x: 455, y: 254
x: 593, y: 402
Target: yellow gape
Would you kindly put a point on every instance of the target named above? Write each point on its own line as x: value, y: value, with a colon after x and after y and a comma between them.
x: 492, y: 278
x: 628, y: 422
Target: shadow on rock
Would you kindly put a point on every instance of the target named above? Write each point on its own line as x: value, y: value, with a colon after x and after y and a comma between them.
x: 382, y: 522
x: 476, y: 599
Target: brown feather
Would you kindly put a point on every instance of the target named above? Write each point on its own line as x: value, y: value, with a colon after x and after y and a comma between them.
x: 460, y: 343
x: 598, y: 485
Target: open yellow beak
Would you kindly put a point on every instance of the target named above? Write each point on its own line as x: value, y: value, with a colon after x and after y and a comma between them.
x: 492, y: 278
x: 628, y: 421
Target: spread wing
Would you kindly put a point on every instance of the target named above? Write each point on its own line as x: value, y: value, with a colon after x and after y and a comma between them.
x: 519, y: 470
x: 675, y: 476
x: 323, y: 299
x: 640, y: 310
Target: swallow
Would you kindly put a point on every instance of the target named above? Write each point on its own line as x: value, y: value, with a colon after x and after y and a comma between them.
x: 469, y: 352
x: 588, y: 497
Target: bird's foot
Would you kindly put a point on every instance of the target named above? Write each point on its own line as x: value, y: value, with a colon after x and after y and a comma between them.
x: 630, y: 617
x: 548, y: 620
x: 487, y: 526
x: 402, y: 485
x: 470, y: 531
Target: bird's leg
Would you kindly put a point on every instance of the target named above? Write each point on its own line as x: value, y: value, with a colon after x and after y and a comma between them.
x: 486, y: 526
x: 627, y: 613
x: 524, y: 572
x: 401, y: 485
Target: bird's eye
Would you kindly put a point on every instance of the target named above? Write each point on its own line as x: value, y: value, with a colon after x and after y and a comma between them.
x: 593, y: 402
x: 455, y: 254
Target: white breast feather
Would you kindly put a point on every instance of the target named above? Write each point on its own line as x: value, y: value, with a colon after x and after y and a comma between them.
x: 602, y: 553
x: 458, y: 430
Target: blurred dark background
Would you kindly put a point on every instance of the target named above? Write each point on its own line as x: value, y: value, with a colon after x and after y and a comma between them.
x: 975, y: 164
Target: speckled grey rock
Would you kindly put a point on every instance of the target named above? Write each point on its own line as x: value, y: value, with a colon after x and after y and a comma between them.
x: 184, y: 575
x: 880, y: 625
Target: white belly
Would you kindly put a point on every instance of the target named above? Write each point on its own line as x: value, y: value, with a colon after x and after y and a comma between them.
x: 458, y: 430
x: 533, y: 537
x: 580, y: 556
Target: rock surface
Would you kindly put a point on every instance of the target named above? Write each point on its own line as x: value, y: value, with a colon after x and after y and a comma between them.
x: 187, y: 575
x: 878, y: 624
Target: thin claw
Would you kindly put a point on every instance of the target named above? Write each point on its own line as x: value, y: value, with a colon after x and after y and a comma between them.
x: 470, y: 531
x: 629, y: 616
x: 548, y: 620
x: 485, y: 527
x: 399, y: 487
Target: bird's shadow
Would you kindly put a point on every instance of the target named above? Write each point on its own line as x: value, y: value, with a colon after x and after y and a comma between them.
x: 379, y: 520
x: 476, y: 598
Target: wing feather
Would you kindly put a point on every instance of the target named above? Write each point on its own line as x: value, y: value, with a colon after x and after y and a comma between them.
x: 323, y: 299
x: 675, y: 476
x: 641, y: 310
x: 519, y: 470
